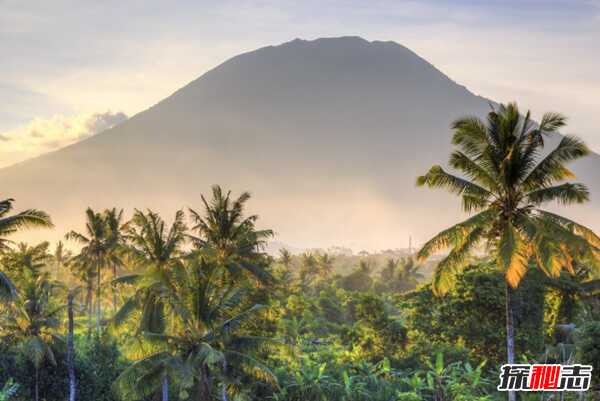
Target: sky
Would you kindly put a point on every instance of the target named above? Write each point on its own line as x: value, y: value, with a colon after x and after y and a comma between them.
x: 73, y: 68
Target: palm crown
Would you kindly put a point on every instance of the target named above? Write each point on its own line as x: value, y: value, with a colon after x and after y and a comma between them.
x: 11, y: 224
x: 509, y: 176
x: 26, y: 219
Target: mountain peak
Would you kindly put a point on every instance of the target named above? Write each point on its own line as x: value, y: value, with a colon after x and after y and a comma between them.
x: 328, y: 134
x: 346, y: 67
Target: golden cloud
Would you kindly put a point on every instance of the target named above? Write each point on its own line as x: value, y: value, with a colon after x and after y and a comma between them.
x: 43, y: 135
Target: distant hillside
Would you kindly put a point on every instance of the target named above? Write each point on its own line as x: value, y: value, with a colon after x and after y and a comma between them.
x: 328, y: 135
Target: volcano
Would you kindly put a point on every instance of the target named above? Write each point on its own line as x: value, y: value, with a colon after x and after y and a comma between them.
x: 328, y: 135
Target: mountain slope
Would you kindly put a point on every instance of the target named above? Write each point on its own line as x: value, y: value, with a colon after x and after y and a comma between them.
x: 328, y: 135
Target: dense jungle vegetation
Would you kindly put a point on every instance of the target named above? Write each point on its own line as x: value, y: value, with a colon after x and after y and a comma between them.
x: 191, y: 307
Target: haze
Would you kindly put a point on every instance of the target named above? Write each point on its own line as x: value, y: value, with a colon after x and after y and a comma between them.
x: 75, y: 69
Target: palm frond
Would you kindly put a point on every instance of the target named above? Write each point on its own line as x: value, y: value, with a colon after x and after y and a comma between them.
x: 513, y: 255
x: 454, y: 235
x: 552, y: 168
x: 31, y: 218
x: 448, y: 268
x: 436, y: 177
x: 8, y: 290
x: 564, y: 194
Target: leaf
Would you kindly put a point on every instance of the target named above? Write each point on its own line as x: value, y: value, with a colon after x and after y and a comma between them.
x: 512, y: 255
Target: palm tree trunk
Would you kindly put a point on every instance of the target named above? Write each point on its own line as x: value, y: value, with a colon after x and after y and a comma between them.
x: 204, y: 385
x: 90, y: 305
x: 37, y: 384
x: 114, y: 288
x: 165, y: 389
x: 224, y: 395
x: 70, y: 348
x: 510, y: 335
x: 98, y: 306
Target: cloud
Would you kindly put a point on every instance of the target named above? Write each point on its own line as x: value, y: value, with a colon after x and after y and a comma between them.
x: 44, y: 135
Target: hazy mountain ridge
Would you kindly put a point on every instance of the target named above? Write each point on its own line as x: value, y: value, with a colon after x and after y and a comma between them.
x: 328, y: 135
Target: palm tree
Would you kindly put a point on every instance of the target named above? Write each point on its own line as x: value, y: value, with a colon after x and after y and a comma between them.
x: 360, y: 279
x: 388, y: 273
x: 71, y: 347
x: 151, y: 242
x: 85, y: 273
x: 30, y: 218
x: 155, y: 249
x: 309, y: 269
x: 224, y: 228
x: 408, y: 276
x: 96, y: 251
x: 115, y: 243
x: 507, y: 179
x: 34, y: 258
x: 200, y: 335
x: 61, y: 257
x: 325, y: 262
x: 32, y: 320
x: 285, y: 258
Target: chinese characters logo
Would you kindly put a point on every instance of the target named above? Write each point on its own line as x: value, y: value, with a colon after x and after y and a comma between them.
x: 523, y: 377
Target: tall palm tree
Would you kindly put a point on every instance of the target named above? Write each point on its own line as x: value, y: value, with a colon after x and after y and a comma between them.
x: 285, y: 258
x: 388, y: 273
x: 507, y: 177
x: 85, y: 273
x: 71, y: 347
x: 224, y: 228
x: 115, y: 244
x: 201, y: 336
x: 325, y: 262
x: 61, y: 257
x: 10, y: 224
x: 309, y: 268
x: 151, y: 241
x: 34, y: 258
x: 32, y: 320
x: 155, y: 249
x: 95, y: 252
x: 409, y: 275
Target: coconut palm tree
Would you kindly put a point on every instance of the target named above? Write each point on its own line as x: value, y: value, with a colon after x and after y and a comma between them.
x: 309, y: 268
x: 233, y: 236
x: 360, y: 278
x: 71, y: 347
x: 61, y: 258
x: 85, y: 273
x: 155, y: 249
x: 32, y: 321
x: 34, y: 258
x: 115, y: 244
x: 409, y: 275
x: 325, y: 262
x: 507, y: 177
x: 96, y: 252
x: 151, y: 241
x: 388, y: 273
x: 285, y: 258
x: 200, y: 337
x: 11, y: 224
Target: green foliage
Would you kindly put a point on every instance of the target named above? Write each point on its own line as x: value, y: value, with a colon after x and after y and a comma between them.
x: 469, y: 313
x: 507, y: 178
x: 360, y: 279
x: 97, y: 364
x: 589, y: 346
x: 9, y: 390
x: 204, y: 313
